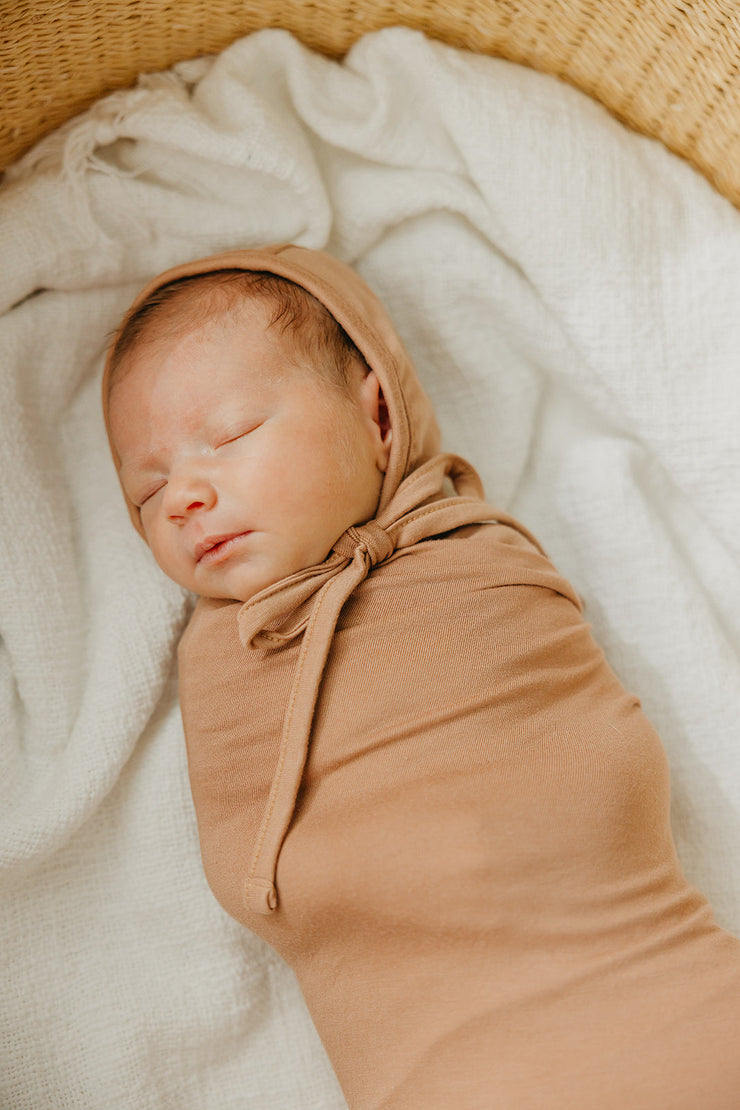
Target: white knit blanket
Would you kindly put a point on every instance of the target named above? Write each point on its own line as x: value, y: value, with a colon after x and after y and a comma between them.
x: 570, y: 293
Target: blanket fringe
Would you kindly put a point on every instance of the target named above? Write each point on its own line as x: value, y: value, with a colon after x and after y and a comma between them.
x: 71, y: 152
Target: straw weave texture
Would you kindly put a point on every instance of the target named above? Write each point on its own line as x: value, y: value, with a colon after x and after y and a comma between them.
x: 666, y: 68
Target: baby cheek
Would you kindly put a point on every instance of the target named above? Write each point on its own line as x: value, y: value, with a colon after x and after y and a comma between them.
x: 162, y: 547
x: 313, y: 469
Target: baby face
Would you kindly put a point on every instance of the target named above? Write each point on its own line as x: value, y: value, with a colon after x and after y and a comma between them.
x: 246, y: 467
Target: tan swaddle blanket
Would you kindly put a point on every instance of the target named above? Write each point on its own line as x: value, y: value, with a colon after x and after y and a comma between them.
x: 417, y: 778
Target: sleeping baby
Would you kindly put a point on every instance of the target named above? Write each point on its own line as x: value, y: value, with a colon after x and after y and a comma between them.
x: 414, y: 773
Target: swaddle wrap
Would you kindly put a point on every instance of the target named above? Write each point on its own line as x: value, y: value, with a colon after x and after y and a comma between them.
x: 416, y: 776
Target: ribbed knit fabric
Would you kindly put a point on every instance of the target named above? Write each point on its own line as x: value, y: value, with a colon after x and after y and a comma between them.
x: 463, y: 846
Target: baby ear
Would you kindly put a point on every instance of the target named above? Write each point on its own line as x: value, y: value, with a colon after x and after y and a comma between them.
x: 372, y: 403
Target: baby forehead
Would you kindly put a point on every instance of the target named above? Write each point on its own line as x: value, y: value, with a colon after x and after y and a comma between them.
x: 204, y: 361
x: 199, y: 381
x: 192, y: 318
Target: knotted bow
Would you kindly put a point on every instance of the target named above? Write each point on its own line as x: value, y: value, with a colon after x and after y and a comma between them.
x: 417, y: 511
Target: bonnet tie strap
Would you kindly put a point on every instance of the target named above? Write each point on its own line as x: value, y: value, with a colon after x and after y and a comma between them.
x: 260, y: 891
x: 417, y: 511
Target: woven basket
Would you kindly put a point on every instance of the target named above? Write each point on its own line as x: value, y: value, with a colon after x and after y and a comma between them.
x: 668, y: 68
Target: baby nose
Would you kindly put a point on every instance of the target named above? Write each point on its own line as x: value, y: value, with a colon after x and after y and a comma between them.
x: 188, y: 493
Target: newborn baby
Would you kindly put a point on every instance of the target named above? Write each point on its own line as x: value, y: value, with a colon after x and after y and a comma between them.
x: 414, y: 772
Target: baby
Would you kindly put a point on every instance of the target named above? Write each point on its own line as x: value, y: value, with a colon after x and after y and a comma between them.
x: 414, y: 772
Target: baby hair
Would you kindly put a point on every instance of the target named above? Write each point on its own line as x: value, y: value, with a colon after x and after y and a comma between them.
x: 192, y: 301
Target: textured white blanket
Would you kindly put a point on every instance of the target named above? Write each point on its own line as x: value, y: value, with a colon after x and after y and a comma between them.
x: 570, y: 293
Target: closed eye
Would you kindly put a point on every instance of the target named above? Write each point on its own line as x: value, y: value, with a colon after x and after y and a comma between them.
x: 147, y: 496
x: 239, y: 435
